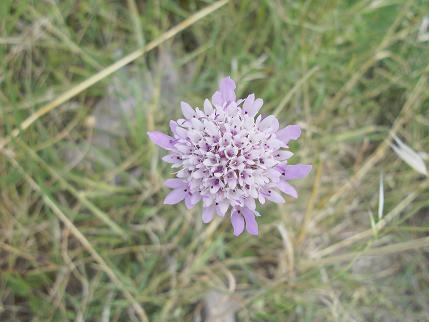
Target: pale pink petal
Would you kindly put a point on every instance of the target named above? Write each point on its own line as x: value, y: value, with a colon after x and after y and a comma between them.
x: 199, y: 113
x: 261, y: 198
x: 175, y: 183
x: 175, y: 196
x: 237, y: 222
x: 227, y: 89
x: 287, y: 189
x: 195, y: 198
x: 211, y: 128
x: 197, y: 124
x: 173, y: 126
x: 162, y: 140
x: 197, y: 174
x: 208, y: 108
x: 182, y: 122
x: 222, y: 208
x: 275, y: 144
x: 283, y: 155
x: 290, y: 132
x: 207, y: 202
x: 248, y: 102
x: 187, y: 110
x: 253, y: 109
x: 207, y: 214
x: 270, y: 122
x: 251, y: 224
x: 274, y: 196
x: 296, y: 171
x: 188, y: 201
x: 185, y: 149
x: 250, y: 203
x: 181, y: 132
x: 170, y: 158
x: 217, y: 99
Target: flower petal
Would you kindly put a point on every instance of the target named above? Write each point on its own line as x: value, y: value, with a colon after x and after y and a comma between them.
x: 207, y: 202
x: 275, y: 144
x: 170, y: 158
x: 283, y: 155
x: 173, y: 126
x: 296, y: 171
x: 217, y: 99
x: 162, y: 140
x: 270, y: 122
x: 211, y: 128
x: 274, y: 196
x: 195, y: 198
x: 185, y: 149
x: 222, y: 208
x: 290, y: 132
x: 208, y: 108
x: 181, y: 132
x: 261, y: 198
x: 175, y: 183
x: 188, y: 201
x: 175, y: 196
x: 207, y: 215
x: 248, y: 102
x: 251, y: 224
x: 253, y: 108
x: 287, y: 189
x: 187, y: 110
x: 227, y: 89
x: 250, y: 203
x: 237, y: 222
x: 197, y: 124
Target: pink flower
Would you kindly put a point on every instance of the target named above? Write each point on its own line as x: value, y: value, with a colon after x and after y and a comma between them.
x: 227, y: 156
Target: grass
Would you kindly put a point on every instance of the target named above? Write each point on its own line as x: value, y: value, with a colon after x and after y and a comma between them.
x: 84, y: 233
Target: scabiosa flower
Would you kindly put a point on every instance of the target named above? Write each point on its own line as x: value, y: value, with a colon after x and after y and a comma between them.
x: 228, y: 157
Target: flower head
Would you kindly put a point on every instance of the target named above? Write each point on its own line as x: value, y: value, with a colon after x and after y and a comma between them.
x: 228, y: 156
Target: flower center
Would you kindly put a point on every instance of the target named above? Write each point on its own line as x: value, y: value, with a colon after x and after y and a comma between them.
x: 225, y: 153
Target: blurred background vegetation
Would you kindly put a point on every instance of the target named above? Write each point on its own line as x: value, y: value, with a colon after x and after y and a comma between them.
x: 84, y: 235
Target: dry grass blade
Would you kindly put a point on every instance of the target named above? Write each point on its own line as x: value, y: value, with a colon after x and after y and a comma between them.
x: 424, y: 30
x: 409, y: 156
x: 395, y: 212
x: 379, y: 251
x: 289, y: 252
x: 82, y: 239
x: 111, y: 69
x: 134, y: 15
x: 381, y: 197
x: 310, y: 206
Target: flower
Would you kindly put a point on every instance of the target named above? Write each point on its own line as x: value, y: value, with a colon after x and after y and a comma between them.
x: 228, y: 157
